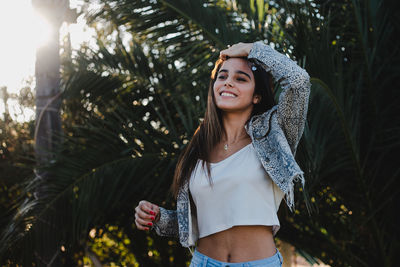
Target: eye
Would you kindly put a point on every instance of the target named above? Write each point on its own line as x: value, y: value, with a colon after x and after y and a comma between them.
x: 221, y: 77
x: 241, y: 79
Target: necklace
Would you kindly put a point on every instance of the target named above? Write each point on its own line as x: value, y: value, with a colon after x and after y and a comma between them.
x: 226, y: 146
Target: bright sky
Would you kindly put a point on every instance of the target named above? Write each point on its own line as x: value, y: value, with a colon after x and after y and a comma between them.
x: 22, y: 30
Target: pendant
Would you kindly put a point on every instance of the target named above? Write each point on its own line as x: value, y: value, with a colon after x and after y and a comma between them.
x: 226, y: 147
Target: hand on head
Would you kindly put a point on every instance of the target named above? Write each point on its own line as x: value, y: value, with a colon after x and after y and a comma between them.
x: 236, y: 50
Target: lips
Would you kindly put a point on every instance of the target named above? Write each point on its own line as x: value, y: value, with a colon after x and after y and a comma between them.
x: 226, y: 91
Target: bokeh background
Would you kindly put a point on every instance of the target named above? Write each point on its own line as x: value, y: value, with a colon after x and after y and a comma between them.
x: 98, y: 98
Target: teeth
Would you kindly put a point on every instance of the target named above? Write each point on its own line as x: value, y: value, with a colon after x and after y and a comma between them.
x: 227, y: 94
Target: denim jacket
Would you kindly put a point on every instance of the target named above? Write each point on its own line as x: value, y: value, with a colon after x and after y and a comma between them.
x: 275, y: 135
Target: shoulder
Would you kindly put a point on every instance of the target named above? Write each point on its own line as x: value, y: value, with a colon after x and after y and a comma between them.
x: 260, y: 124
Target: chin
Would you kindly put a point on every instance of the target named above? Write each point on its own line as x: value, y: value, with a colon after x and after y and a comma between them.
x: 227, y: 108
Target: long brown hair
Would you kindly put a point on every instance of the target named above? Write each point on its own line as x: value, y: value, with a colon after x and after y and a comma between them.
x: 209, y: 132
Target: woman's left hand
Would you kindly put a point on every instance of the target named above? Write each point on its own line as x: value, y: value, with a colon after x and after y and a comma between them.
x: 236, y: 50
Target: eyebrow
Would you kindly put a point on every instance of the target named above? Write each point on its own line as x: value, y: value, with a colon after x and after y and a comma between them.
x: 238, y: 71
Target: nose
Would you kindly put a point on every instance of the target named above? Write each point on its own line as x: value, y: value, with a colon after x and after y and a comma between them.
x: 228, y: 82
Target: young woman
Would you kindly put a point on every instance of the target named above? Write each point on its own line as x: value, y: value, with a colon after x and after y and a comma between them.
x: 231, y: 177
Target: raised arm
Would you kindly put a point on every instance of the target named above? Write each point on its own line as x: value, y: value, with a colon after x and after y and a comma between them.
x: 295, y: 83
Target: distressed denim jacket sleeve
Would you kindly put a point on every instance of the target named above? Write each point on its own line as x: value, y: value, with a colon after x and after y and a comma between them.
x: 295, y: 83
x: 168, y: 223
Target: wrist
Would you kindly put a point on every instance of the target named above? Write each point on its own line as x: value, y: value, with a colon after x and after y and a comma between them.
x: 249, y: 46
x: 157, y: 218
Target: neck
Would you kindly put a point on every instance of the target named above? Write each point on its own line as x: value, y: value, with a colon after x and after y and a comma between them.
x: 234, y: 126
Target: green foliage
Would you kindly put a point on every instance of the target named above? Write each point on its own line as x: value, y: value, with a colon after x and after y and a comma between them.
x: 348, y: 147
x: 16, y: 160
x: 133, y: 102
x: 16, y: 154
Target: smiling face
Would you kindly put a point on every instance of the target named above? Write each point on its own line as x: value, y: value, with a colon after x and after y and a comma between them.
x: 234, y: 86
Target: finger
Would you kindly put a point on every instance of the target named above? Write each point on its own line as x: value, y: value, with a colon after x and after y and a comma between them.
x: 146, y: 207
x: 142, y: 222
x: 222, y: 55
x: 144, y: 215
x: 137, y: 208
x: 138, y: 225
x: 225, y: 51
x: 141, y: 227
x: 155, y: 208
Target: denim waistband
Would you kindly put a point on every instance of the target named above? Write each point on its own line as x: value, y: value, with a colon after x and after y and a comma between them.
x: 201, y: 260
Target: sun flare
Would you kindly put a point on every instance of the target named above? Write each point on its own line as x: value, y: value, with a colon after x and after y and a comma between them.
x: 22, y: 30
x: 42, y: 29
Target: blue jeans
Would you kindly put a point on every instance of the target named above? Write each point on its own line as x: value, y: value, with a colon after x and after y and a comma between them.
x: 201, y: 260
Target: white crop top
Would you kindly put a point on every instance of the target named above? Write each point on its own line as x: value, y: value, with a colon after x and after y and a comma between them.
x: 242, y: 194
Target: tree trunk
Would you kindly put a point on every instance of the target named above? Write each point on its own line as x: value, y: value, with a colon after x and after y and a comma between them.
x: 48, y: 101
x: 48, y: 121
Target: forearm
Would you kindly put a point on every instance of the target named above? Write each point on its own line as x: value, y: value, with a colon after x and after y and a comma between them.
x: 167, y: 225
x: 283, y: 69
x: 295, y: 83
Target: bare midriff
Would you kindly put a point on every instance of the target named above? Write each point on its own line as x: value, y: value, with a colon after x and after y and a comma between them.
x: 239, y: 244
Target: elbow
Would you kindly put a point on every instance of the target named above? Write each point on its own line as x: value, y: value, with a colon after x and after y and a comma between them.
x: 304, y: 78
x: 303, y: 83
